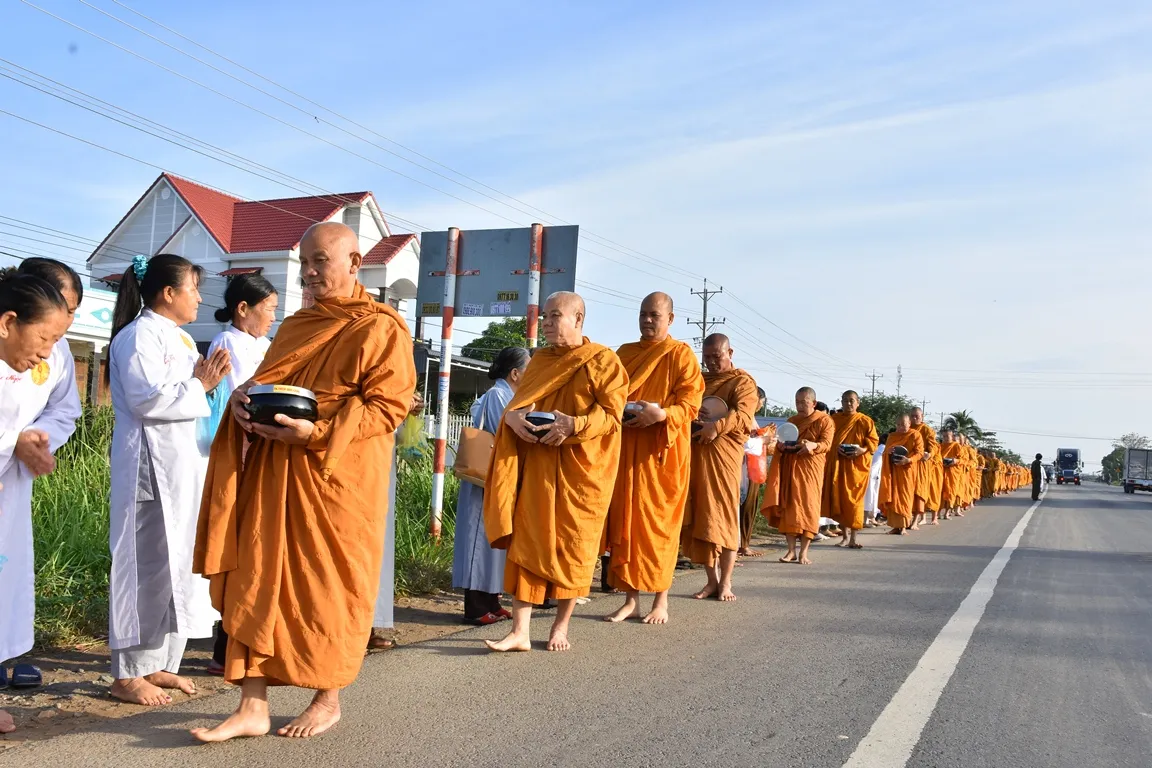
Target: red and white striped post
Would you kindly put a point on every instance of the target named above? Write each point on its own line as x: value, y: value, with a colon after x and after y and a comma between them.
x: 447, y: 311
x: 535, y: 254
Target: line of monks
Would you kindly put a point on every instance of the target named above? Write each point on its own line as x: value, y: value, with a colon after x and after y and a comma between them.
x: 643, y: 456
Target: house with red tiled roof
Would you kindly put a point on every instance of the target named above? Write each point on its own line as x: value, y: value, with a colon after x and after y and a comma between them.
x: 228, y: 236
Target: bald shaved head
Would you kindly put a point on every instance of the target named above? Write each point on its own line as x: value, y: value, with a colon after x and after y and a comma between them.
x: 718, y: 353
x: 329, y: 260
x: 562, y: 319
x: 656, y: 316
x: 917, y: 416
x: 805, y: 401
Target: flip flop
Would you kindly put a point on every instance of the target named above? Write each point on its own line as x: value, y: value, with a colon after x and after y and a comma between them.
x: 26, y: 676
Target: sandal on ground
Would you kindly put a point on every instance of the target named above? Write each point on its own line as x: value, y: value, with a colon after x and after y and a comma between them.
x: 377, y: 643
x: 215, y: 668
x: 25, y: 676
x: 486, y: 619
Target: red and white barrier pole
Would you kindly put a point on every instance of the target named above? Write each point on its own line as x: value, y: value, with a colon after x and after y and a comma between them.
x: 447, y: 311
x: 535, y: 254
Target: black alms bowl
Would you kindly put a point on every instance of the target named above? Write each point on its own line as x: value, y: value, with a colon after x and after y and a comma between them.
x: 900, y: 451
x: 541, y: 418
x: 632, y: 410
x: 268, y: 400
x: 949, y: 462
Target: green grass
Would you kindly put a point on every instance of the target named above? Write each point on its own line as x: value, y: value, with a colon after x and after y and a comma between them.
x: 70, y: 531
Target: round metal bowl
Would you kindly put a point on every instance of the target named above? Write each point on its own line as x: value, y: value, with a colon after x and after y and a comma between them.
x: 266, y: 401
x: 900, y: 451
x: 540, y: 418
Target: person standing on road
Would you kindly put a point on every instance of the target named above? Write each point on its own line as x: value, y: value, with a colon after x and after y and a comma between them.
x: 711, y: 531
x: 38, y: 410
x: 159, y: 387
x: 750, y: 504
x: 550, y: 485
x: 848, y: 469
x: 898, y: 484
x: 930, y: 472
x: 872, y: 493
x: 1037, y: 477
x: 796, y: 479
x: 647, y: 511
x: 477, y: 568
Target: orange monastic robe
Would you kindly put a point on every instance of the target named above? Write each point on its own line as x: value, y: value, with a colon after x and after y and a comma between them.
x: 952, y: 493
x: 647, y: 509
x: 546, y: 504
x: 795, y: 482
x: 712, y: 510
x: 898, y: 483
x: 931, y: 471
x: 845, y: 479
x: 289, y: 535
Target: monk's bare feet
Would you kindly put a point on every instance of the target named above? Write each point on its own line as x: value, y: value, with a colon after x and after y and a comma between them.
x: 558, y: 640
x: 708, y: 591
x: 914, y: 528
x: 843, y: 541
x: 788, y: 558
x: 137, y: 690
x: 659, y: 613
x: 725, y: 595
x: 249, y: 720
x: 805, y: 561
x: 164, y: 679
x: 321, y: 714
x: 512, y: 642
x: 7, y: 724
x: 630, y: 610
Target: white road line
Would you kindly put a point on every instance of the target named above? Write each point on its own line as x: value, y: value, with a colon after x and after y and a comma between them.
x: 896, y: 732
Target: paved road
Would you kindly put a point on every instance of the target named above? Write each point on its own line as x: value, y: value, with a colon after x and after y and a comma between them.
x: 794, y: 674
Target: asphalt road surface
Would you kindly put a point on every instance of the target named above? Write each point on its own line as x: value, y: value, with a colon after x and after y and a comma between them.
x: 1040, y: 656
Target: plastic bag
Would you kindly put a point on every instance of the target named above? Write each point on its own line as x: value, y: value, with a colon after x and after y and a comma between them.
x: 410, y: 440
x: 756, y: 460
x: 206, y: 426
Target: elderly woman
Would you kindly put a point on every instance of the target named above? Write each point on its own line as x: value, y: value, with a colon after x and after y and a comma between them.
x: 476, y: 567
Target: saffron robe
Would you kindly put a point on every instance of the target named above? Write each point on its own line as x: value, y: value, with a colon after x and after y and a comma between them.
x: 846, y: 479
x: 931, y: 470
x: 546, y: 504
x: 898, y: 483
x: 290, y: 535
x: 712, y: 509
x: 647, y: 508
x: 793, y: 492
x: 952, y: 494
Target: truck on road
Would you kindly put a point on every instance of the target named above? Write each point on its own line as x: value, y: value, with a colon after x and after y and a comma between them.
x: 1068, y: 466
x: 1137, y: 470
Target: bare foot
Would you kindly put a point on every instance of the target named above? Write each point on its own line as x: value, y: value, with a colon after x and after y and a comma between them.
x: 843, y: 542
x: 246, y: 721
x: 708, y: 591
x: 511, y: 642
x: 805, y: 561
x: 788, y: 558
x: 164, y: 679
x: 659, y: 615
x: 137, y: 690
x: 559, y: 640
x: 934, y: 522
x: 726, y: 595
x: 630, y: 610
x: 7, y: 724
x: 320, y: 715
x: 914, y: 528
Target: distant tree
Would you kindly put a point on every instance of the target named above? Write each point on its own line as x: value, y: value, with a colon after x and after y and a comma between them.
x: 1114, y: 464
x: 1132, y: 440
x: 510, y: 332
x: 778, y: 411
x: 966, y: 425
x: 884, y: 408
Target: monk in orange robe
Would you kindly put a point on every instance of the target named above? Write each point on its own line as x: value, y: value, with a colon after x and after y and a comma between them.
x: 930, y: 471
x: 549, y: 487
x: 847, y: 469
x: 952, y: 490
x: 289, y: 531
x: 664, y: 392
x: 711, y: 532
x: 900, y: 479
x: 795, y: 483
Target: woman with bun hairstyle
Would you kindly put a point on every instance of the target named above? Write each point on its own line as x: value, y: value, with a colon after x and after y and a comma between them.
x: 34, y: 316
x: 477, y: 568
x: 250, y: 304
x: 159, y: 387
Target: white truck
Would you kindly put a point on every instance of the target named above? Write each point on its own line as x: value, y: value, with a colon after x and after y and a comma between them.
x: 1137, y: 470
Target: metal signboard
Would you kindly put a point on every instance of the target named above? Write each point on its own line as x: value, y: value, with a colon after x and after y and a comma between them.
x: 492, y: 267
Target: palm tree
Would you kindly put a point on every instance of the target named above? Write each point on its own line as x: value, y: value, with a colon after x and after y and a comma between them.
x: 967, y: 426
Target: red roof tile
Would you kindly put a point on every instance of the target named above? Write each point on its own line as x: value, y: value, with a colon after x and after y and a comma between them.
x: 278, y: 225
x: 234, y: 271
x: 214, y: 209
x: 384, y: 250
x: 111, y: 278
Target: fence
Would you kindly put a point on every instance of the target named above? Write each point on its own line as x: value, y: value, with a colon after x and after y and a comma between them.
x: 456, y: 422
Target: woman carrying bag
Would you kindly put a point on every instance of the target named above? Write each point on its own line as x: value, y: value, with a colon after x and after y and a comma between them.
x: 476, y: 567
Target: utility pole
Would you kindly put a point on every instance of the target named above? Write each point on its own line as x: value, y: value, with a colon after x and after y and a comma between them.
x: 706, y: 323
x: 942, y: 415
x: 874, y: 376
x: 924, y: 403
x: 899, y: 378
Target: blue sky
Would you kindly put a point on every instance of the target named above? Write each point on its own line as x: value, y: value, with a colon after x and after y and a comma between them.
x: 960, y: 189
